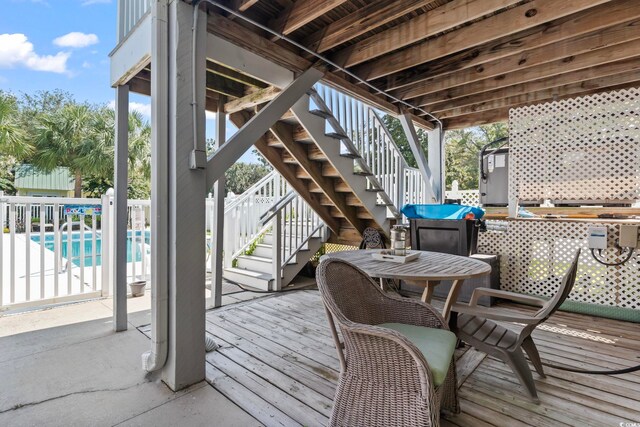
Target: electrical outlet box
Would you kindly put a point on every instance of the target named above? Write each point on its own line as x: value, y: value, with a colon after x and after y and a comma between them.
x: 198, y: 159
x: 629, y: 236
x: 597, y: 237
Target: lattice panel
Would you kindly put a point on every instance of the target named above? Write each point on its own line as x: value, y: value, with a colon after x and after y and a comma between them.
x: 534, y: 255
x: 469, y: 197
x: 580, y: 149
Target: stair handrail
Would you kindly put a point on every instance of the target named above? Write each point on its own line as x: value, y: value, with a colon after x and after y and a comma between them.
x: 242, y: 226
x: 350, y: 111
x: 277, y: 206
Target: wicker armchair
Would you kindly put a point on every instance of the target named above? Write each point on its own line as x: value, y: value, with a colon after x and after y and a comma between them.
x: 385, y: 379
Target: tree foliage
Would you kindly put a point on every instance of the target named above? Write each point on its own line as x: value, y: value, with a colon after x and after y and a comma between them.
x: 461, y: 149
x: 241, y: 176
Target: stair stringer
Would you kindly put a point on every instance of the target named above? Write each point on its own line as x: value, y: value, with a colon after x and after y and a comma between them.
x: 330, y: 146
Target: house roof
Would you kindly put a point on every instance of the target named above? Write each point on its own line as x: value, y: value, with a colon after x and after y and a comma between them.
x: 29, y: 177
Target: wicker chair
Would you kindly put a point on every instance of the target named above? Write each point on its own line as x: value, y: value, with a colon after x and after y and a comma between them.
x: 385, y: 377
x: 475, y: 325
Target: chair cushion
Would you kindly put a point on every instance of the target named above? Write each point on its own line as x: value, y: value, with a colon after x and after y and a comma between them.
x: 436, y: 345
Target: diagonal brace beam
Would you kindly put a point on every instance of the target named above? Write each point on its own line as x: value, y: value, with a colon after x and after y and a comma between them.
x: 258, y: 125
x: 418, y: 153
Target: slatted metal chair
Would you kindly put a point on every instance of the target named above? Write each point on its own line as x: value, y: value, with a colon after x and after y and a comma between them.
x: 397, y: 365
x: 476, y: 326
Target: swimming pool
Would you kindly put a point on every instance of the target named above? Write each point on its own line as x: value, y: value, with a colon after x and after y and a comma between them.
x: 49, y: 243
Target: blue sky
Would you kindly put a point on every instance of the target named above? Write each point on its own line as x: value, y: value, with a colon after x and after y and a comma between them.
x: 63, y: 44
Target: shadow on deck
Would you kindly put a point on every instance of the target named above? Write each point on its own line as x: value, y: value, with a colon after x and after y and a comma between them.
x: 277, y: 362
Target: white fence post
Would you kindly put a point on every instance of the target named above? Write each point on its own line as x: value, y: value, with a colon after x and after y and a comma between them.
x: 277, y: 250
x: 106, y: 230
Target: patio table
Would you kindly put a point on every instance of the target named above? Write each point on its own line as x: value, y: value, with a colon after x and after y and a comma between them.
x: 428, y: 270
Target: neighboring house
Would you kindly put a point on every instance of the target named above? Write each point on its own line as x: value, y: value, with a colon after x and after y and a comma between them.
x: 29, y: 181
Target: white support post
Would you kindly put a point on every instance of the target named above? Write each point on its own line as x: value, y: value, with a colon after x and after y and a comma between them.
x: 121, y: 186
x: 276, y: 232
x: 239, y: 143
x: 185, y: 363
x: 429, y: 175
x: 217, y: 226
x: 436, y: 162
x: 106, y: 228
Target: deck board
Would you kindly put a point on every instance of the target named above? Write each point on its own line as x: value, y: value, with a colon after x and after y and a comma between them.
x: 278, y: 363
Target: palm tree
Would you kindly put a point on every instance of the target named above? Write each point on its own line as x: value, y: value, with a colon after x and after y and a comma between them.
x: 76, y: 136
x: 13, y: 137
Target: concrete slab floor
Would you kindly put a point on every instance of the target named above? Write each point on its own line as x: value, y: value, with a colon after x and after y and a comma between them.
x: 65, y: 366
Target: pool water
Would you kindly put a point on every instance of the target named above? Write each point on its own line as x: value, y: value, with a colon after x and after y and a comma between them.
x: 88, y: 246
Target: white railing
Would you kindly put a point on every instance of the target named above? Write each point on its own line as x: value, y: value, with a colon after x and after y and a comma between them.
x: 65, y: 254
x: 414, y: 187
x: 292, y: 223
x: 367, y: 136
x: 130, y: 12
x: 242, y: 215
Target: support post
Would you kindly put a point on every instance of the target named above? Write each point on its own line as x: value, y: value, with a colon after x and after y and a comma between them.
x: 436, y: 162
x: 426, y: 168
x: 121, y: 187
x: 217, y: 227
x: 276, y: 232
x: 185, y: 363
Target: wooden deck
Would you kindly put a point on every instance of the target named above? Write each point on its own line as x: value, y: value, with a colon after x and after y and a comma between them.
x: 278, y: 363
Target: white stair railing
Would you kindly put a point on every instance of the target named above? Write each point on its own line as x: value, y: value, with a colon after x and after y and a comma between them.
x: 130, y: 12
x: 242, y: 214
x: 367, y: 138
x: 293, y: 223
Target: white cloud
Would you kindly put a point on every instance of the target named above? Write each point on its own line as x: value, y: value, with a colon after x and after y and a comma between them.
x: 76, y: 39
x: 16, y: 50
x: 140, y: 107
x: 87, y: 65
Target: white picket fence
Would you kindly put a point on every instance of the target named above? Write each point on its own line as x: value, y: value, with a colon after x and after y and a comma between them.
x: 61, y: 256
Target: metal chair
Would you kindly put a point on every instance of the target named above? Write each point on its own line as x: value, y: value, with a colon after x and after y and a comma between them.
x: 475, y: 325
x: 397, y: 367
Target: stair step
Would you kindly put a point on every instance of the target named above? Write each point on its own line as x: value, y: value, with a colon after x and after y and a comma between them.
x: 336, y: 135
x: 254, y: 279
x: 360, y: 213
x: 315, y: 154
x: 350, y: 155
x: 330, y: 171
x: 362, y: 173
x: 257, y: 263
x: 268, y: 238
x: 302, y: 174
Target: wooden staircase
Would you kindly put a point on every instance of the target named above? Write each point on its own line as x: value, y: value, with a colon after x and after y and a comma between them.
x: 310, y: 154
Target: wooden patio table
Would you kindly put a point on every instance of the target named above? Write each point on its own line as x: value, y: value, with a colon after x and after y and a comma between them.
x: 428, y: 270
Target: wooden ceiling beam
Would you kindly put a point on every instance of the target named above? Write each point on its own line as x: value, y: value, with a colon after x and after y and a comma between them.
x: 280, y: 55
x: 572, y: 69
x: 502, y: 114
x: 590, y: 20
x: 224, y: 86
x: 600, y: 39
x: 359, y: 22
x: 301, y: 13
x: 242, y: 5
x: 234, y: 75
x: 523, y: 96
x: 254, y: 99
x: 503, y: 24
x: 418, y: 28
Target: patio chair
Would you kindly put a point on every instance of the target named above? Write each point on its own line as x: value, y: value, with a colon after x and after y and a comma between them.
x: 475, y: 325
x: 397, y: 367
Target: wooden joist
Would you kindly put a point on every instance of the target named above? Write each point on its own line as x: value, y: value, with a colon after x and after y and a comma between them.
x: 569, y: 70
x: 418, y: 28
x: 222, y: 85
x: 301, y: 13
x: 241, y: 36
x: 573, y: 26
x: 503, y: 24
x: 605, y: 38
x: 359, y: 22
x: 525, y: 96
x: 248, y: 101
x: 234, y: 75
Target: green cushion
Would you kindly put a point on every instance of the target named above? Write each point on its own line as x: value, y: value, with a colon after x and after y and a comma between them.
x: 437, y: 346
